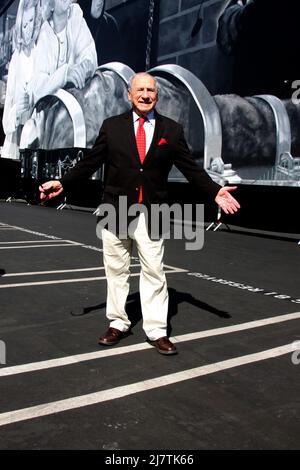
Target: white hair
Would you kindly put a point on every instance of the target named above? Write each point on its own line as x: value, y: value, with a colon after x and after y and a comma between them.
x: 141, y: 74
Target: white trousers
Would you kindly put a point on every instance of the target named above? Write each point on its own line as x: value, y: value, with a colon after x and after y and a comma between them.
x: 153, y: 285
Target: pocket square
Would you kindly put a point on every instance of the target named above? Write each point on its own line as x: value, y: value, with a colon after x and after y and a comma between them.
x: 162, y: 141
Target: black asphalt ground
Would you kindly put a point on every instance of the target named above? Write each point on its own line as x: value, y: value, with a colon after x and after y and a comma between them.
x: 234, y: 315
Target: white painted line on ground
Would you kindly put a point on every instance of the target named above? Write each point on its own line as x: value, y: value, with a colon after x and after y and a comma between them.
x: 15, y: 227
x: 59, y: 271
x: 72, y: 242
x: 34, y: 241
x: 175, y: 270
x: 66, y: 281
x: 115, y: 393
x: 69, y: 360
x: 45, y: 283
x: 39, y: 246
x: 238, y: 327
x: 116, y: 351
x: 89, y: 247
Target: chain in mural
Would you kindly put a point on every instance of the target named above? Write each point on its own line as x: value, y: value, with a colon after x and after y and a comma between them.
x: 149, y: 34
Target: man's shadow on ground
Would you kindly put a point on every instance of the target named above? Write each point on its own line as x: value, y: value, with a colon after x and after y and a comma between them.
x: 134, y: 311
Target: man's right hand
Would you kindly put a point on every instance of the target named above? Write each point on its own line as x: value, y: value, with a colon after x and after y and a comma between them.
x: 76, y: 75
x: 50, y: 189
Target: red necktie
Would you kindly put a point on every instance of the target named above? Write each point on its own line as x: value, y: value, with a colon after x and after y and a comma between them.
x: 141, y: 146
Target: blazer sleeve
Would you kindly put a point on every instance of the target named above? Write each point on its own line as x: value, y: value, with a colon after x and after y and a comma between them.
x: 93, y: 160
x: 184, y: 161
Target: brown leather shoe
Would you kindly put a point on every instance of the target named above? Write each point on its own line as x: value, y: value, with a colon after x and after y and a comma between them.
x: 164, y: 346
x: 111, y: 337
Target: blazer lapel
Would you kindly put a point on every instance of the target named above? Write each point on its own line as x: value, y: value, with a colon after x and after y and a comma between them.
x: 129, y: 132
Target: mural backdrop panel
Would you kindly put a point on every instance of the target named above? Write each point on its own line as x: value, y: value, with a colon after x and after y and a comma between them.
x: 54, y: 93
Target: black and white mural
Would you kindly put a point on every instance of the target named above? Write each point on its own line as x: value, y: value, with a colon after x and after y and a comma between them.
x: 49, y: 69
x: 60, y: 62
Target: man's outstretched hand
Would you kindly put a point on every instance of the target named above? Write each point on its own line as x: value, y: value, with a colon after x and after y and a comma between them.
x: 225, y: 201
x: 50, y: 189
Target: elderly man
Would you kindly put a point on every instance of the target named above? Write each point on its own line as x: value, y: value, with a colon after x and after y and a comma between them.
x: 139, y: 148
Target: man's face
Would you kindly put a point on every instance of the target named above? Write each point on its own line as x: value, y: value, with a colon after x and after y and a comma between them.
x: 61, y: 6
x: 28, y: 25
x: 143, y: 94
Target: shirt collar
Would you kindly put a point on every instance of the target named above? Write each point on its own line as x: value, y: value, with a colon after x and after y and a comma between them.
x: 150, y: 117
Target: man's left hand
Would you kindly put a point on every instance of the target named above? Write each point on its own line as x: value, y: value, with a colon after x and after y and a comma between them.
x: 225, y: 201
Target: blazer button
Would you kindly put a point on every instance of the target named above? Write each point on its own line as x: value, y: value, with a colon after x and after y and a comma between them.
x: 141, y: 170
x: 136, y: 189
